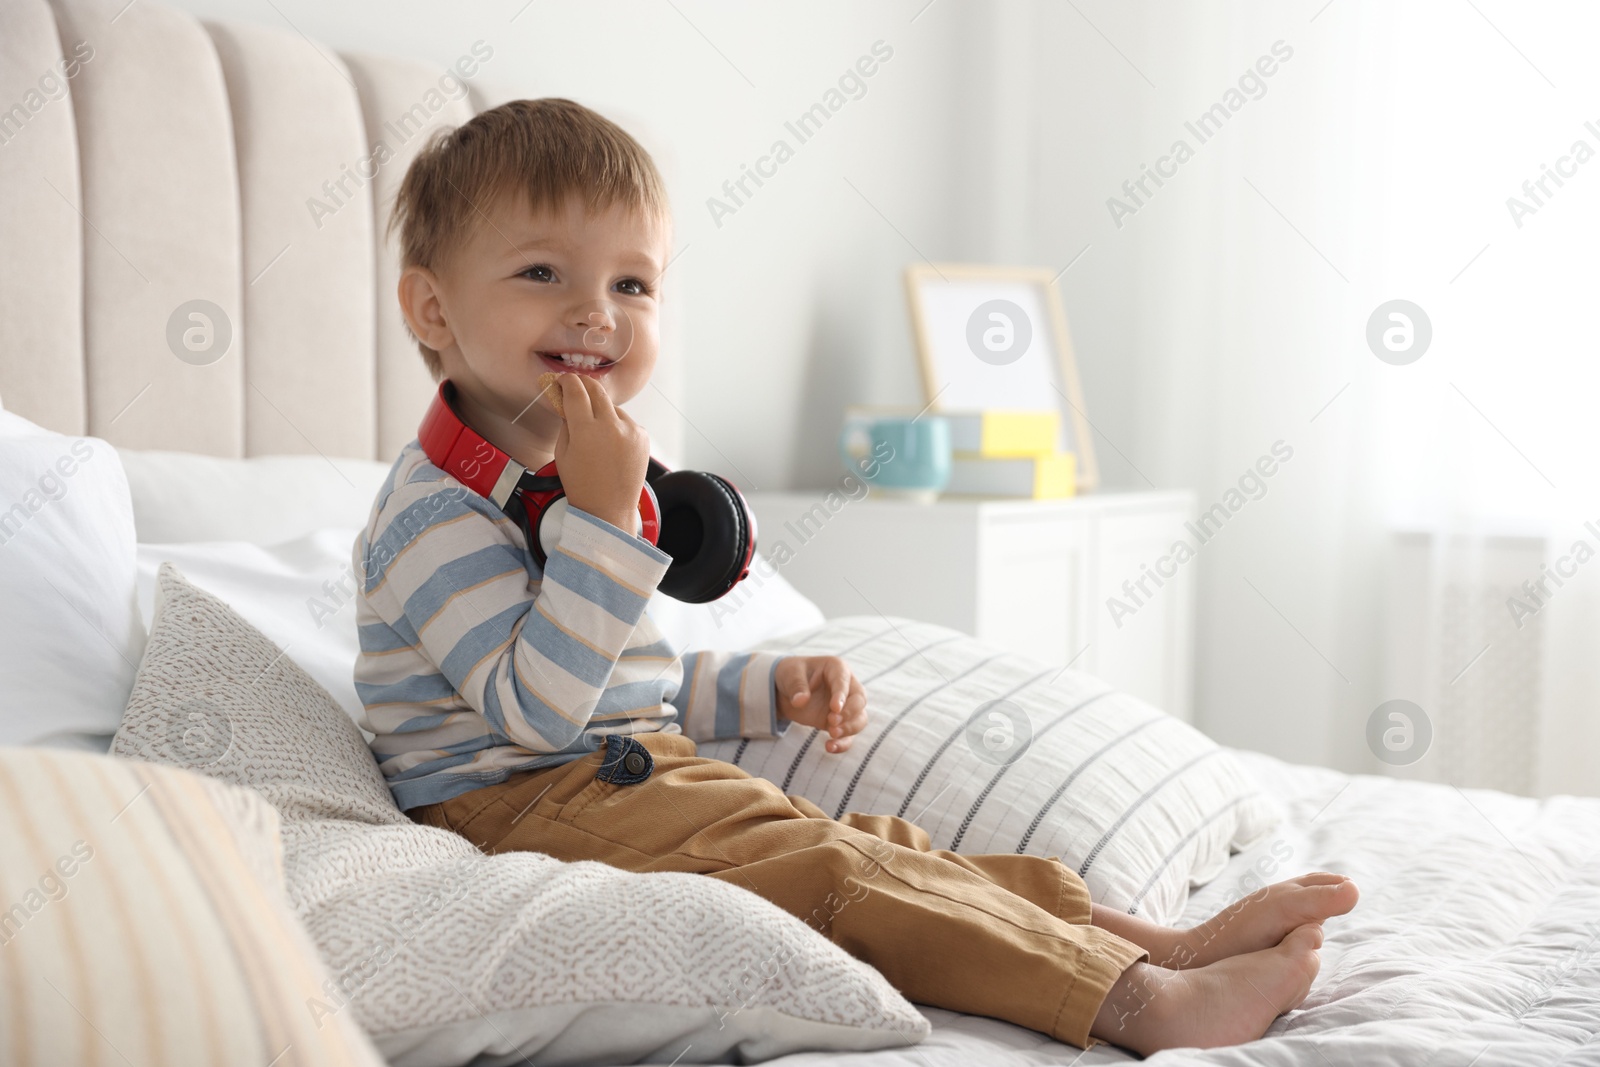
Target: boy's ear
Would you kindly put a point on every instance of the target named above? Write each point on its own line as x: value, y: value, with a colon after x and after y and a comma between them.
x: 423, y: 309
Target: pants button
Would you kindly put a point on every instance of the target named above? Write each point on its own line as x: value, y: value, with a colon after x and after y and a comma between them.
x: 627, y: 762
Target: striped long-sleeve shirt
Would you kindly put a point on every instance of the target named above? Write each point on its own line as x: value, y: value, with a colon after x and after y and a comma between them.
x: 476, y: 663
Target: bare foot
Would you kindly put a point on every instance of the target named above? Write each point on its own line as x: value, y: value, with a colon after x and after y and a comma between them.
x: 1261, y: 919
x: 1227, y: 1003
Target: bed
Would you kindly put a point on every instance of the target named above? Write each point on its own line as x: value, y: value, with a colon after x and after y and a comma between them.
x: 160, y: 169
x: 1477, y: 939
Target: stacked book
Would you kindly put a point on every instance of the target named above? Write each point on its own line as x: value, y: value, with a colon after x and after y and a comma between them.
x: 1010, y: 453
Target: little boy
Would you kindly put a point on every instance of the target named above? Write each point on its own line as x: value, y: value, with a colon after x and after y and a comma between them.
x: 540, y: 709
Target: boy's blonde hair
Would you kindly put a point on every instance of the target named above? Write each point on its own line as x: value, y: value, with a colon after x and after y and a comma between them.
x: 546, y: 149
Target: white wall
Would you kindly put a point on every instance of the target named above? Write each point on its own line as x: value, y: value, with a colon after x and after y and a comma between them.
x: 1216, y: 321
x: 1233, y: 306
x: 793, y: 307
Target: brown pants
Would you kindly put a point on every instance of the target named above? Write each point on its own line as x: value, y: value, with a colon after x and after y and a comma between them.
x: 1006, y: 936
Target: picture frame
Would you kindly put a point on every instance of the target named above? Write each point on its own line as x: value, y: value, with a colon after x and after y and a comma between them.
x: 997, y: 337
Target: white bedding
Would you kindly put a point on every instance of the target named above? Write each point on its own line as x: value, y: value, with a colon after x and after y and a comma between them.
x: 1478, y: 931
x: 300, y: 593
x: 1477, y: 939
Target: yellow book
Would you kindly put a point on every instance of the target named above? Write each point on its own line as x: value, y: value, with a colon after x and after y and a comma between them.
x: 1001, y: 432
x: 1048, y: 477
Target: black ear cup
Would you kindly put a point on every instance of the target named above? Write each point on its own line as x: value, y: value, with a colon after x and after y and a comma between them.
x: 707, y: 530
x: 517, y: 511
x: 536, y: 486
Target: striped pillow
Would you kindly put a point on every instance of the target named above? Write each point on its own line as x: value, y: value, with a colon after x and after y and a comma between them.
x: 992, y: 752
x: 144, y: 922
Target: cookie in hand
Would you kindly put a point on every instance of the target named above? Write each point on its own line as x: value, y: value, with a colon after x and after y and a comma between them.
x: 549, y: 383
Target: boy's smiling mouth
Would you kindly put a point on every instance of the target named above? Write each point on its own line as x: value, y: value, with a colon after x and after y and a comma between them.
x: 578, y: 361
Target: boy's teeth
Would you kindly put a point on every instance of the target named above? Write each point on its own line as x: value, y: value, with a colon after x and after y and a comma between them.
x: 576, y: 359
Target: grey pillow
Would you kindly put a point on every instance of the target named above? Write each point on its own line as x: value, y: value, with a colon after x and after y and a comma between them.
x: 446, y: 955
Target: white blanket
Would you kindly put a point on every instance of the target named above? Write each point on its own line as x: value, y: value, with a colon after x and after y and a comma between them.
x: 1478, y: 929
x: 1477, y: 939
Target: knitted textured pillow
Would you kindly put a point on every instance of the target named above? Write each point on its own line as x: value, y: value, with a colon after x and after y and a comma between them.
x: 444, y: 954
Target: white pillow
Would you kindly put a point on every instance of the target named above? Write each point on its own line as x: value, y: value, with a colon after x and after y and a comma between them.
x: 444, y: 954
x: 69, y: 625
x: 185, y: 496
x: 992, y: 752
x: 299, y: 593
x: 760, y: 608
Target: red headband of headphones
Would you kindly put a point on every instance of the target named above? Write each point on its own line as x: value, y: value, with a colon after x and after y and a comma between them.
x: 711, y: 538
x: 467, y: 456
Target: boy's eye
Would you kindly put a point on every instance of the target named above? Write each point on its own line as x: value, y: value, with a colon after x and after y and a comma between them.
x: 633, y: 287
x: 538, y: 273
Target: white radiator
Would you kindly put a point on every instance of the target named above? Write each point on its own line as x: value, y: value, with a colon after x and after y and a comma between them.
x: 1454, y: 646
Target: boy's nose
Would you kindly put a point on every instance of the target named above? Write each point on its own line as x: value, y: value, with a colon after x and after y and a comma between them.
x: 604, y: 328
x: 593, y: 315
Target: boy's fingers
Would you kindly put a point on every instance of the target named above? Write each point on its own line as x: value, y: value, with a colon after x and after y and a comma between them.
x: 599, y: 400
x: 839, y: 683
x: 852, y: 719
x: 817, y: 675
x: 575, y: 397
x: 855, y: 709
x: 792, y: 679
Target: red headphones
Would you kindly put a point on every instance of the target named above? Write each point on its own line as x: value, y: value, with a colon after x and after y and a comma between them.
x: 697, y: 518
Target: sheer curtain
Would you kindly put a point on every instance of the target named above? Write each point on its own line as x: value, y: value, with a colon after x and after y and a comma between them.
x: 1388, y: 558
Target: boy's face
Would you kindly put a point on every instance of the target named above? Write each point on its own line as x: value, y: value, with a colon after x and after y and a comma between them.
x: 528, y: 287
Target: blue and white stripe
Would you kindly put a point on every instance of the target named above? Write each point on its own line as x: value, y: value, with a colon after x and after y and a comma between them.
x: 476, y: 663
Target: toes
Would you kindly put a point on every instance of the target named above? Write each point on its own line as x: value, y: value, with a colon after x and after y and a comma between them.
x: 1319, y: 896
x: 1307, y: 938
x: 1319, y: 878
x: 1326, y: 900
x: 1301, y: 945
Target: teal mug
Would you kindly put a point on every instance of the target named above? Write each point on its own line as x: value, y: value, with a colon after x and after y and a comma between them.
x: 897, y: 456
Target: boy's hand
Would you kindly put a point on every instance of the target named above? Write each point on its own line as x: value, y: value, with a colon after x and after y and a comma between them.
x: 601, y: 453
x: 821, y: 692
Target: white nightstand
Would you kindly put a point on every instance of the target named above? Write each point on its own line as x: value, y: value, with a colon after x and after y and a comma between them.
x: 1032, y: 576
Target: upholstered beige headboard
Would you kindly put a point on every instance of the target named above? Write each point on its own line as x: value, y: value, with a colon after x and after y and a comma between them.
x: 148, y: 161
